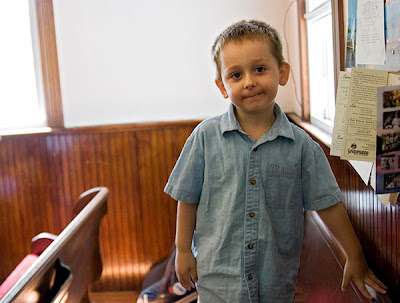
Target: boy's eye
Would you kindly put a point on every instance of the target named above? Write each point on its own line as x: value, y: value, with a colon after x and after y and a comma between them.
x: 260, y: 69
x: 235, y: 75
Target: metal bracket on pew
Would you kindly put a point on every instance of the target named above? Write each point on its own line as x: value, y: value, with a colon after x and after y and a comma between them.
x: 62, y: 278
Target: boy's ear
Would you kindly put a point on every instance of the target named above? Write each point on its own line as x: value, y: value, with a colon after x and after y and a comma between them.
x: 284, y: 72
x: 221, y: 87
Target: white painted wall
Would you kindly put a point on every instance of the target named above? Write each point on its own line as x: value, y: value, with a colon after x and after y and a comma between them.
x: 125, y: 61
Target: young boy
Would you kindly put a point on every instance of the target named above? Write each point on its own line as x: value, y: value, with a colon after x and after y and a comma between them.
x: 243, y: 180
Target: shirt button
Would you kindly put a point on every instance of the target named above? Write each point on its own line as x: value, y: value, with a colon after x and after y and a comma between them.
x: 253, y: 181
x: 250, y: 246
x: 252, y: 215
x: 250, y: 277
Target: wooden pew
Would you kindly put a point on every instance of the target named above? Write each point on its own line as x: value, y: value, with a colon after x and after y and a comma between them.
x: 321, y: 268
x: 65, y: 269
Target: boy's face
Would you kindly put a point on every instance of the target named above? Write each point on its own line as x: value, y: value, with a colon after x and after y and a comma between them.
x: 251, y: 75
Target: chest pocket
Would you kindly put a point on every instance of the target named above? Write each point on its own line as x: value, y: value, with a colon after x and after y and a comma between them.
x: 284, y: 187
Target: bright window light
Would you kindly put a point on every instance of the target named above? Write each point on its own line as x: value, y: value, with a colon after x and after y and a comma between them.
x: 20, y: 104
x: 313, y: 4
x: 320, y: 63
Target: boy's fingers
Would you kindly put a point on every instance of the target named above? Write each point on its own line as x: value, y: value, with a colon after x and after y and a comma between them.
x: 194, y: 274
x: 376, y: 285
x: 371, y: 277
x: 185, y: 281
x: 363, y: 289
x: 187, y: 285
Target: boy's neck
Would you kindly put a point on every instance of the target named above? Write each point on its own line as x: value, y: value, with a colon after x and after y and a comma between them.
x: 256, y: 125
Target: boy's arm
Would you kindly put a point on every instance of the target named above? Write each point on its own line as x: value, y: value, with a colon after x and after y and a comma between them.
x: 356, y: 268
x: 185, y: 263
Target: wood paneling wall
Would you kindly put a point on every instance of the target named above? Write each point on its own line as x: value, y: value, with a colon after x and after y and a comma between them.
x: 42, y: 175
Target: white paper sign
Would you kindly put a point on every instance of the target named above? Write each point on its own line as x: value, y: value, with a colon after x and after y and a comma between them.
x: 370, y: 32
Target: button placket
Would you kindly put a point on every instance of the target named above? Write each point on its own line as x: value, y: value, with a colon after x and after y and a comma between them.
x: 251, y: 222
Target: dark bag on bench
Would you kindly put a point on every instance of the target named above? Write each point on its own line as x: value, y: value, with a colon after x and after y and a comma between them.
x: 162, y: 286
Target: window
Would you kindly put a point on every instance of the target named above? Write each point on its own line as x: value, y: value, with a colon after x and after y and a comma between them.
x: 20, y: 94
x: 321, y: 72
x: 30, y: 86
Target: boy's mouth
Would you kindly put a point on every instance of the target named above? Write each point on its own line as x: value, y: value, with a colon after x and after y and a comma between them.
x: 253, y: 96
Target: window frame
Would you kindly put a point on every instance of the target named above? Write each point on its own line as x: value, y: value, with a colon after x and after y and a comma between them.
x: 338, y: 50
x: 49, y: 63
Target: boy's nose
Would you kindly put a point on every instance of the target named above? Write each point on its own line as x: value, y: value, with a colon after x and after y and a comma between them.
x: 249, y: 81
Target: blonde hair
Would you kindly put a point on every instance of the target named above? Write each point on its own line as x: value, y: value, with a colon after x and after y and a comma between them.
x: 243, y: 30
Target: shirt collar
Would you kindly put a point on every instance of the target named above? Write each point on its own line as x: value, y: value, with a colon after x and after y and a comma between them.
x: 281, y: 126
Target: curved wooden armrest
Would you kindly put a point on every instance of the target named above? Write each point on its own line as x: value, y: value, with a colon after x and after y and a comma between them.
x: 41, y: 242
x: 85, y: 198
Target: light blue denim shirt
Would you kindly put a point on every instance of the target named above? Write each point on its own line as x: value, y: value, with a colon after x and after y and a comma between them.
x: 251, y: 196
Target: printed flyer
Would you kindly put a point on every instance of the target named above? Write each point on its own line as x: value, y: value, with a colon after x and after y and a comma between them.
x: 359, y: 140
x: 388, y: 140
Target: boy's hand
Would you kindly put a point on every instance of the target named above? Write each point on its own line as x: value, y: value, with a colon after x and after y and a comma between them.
x: 358, y: 271
x: 185, y: 267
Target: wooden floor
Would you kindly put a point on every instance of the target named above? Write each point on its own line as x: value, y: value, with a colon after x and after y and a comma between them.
x: 131, y: 297
x: 126, y: 297
x: 114, y: 297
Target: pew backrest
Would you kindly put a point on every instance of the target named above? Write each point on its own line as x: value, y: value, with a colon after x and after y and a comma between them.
x: 66, y: 268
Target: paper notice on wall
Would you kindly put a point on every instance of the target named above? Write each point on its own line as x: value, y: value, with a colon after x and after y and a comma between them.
x: 359, y: 142
x: 363, y: 169
x: 370, y: 32
x: 342, y: 93
x: 388, y: 198
x: 393, y: 79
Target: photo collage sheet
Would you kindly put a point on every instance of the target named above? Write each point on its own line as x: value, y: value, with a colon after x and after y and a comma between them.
x: 388, y: 140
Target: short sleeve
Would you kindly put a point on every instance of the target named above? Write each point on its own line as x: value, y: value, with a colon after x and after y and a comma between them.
x: 186, y: 180
x: 320, y: 189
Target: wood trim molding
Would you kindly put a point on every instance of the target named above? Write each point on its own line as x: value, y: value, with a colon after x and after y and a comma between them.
x: 49, y: 61
x: 305, y: 94
x: 315, y: 132
x: 338, y: 38
x: 143, y: 126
